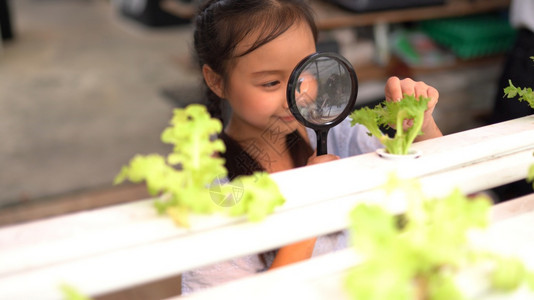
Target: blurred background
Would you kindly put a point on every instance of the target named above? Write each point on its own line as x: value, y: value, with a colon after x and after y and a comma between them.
x: 87, y: 84
x: 82, y: 90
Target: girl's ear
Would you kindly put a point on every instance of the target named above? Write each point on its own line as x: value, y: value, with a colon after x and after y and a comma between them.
x: 213, y: 80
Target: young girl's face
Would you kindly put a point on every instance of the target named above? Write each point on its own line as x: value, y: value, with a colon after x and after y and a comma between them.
x: 257, y: 84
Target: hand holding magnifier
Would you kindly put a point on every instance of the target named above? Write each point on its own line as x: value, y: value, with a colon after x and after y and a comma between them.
x: 321, y: 93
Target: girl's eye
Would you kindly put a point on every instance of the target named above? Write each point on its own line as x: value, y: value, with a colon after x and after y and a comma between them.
x: 271, y: 84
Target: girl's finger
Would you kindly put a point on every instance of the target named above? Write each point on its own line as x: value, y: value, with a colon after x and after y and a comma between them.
x: 393, y: 89
x: 408, y: 87
x: 420, y: 89
x: 322, y: 159
x: 433, y: 94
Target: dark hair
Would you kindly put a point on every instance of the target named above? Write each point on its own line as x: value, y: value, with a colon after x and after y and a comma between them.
x: 221, y: 25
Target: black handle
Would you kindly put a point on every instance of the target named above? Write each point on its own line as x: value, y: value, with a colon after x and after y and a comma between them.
x: 321, y: 141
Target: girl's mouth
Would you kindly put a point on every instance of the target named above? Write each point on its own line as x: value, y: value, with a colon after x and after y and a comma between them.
x: 287, y: 118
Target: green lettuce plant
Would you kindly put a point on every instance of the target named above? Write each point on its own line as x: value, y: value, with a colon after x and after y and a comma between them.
x: 189, y: 179
x: 393, y: 114
x: 418, y: 254
x: 523, y: 94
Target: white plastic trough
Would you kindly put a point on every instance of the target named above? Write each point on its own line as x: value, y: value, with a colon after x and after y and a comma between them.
x: 110, y: 249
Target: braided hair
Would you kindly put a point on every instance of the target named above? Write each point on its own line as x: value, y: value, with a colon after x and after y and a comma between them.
x: 221, y: 25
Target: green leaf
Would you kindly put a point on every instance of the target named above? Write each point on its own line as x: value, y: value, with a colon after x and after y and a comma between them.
x: 525, y: 94
x: 530, y: 175
x: 260, y: 196
x: 373, y: 227
x: 368, y: 118
x: 71, y: 293
x: 508, y: 274
x: 442, y: 287
x: 378, y: 279
x: 530, y: 280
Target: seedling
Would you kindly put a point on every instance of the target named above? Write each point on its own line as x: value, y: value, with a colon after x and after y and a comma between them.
x: 394, y: 114
x: 525, y: 94
x: 420, y: 257
x: 188, y: 179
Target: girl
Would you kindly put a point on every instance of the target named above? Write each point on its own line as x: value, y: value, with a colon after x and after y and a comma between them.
x: 247, y: 50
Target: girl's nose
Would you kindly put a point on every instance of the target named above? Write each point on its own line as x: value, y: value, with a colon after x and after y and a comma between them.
x: 284, y: 102
x: 283, y: 97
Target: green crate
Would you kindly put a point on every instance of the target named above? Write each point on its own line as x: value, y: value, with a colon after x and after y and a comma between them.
x: 472, y: 36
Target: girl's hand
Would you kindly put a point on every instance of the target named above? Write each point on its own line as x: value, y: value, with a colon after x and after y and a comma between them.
x: 395, y: 90
x: 314, y: 159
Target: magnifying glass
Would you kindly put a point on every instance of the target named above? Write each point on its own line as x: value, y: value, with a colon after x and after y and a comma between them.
x: 321, y: 93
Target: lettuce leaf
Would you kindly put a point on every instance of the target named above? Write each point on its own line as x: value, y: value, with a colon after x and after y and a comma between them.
x: 530, y: 176
x: 525, y: 94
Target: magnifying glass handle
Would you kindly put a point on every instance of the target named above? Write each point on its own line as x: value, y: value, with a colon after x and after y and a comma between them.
x: 321, y: 141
